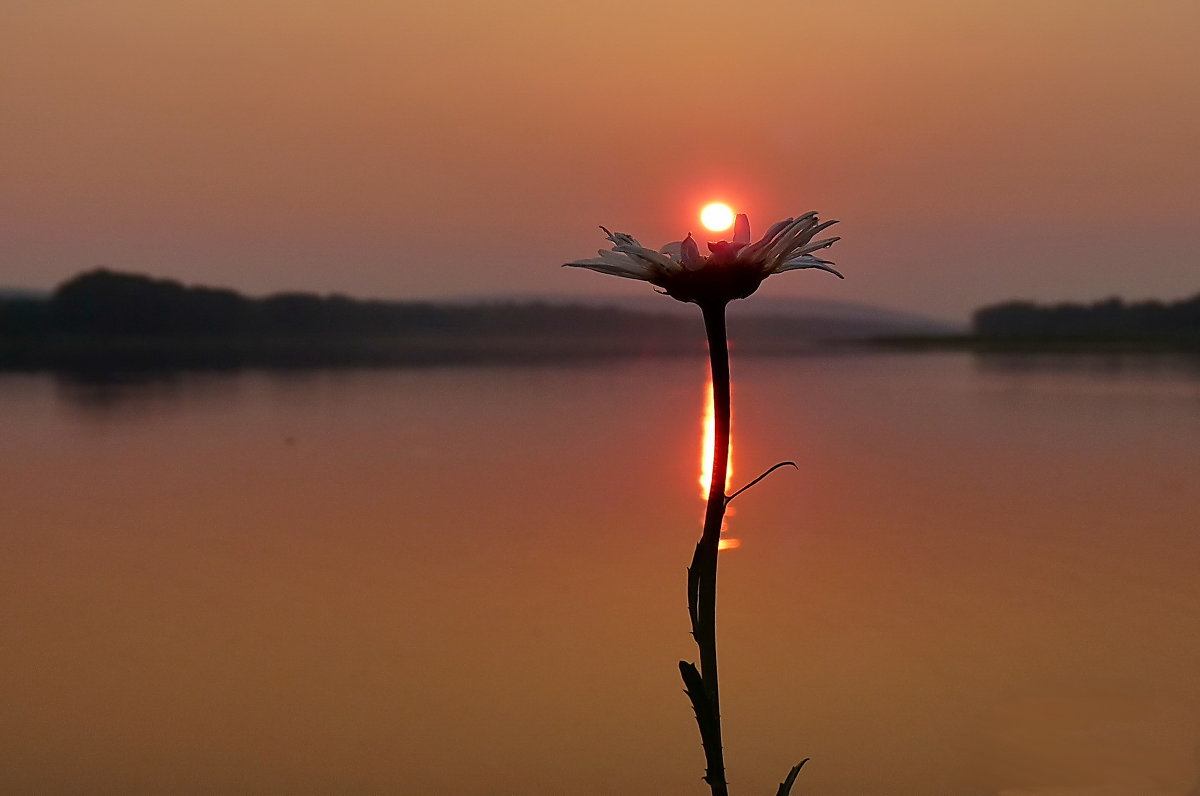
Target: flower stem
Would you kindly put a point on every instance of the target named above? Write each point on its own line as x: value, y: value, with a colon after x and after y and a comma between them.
x: 702, y: 686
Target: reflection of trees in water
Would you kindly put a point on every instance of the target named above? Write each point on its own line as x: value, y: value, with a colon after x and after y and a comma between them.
x: 1124, y: 365
x: 140, y: 393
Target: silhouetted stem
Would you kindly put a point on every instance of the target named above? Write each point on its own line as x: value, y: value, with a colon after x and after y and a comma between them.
x: 702, y: 575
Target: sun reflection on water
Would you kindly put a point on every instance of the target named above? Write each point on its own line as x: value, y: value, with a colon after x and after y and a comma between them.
x: 706, y: 474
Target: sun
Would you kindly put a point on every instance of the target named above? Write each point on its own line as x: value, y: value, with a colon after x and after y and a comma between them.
x: 717, y: 216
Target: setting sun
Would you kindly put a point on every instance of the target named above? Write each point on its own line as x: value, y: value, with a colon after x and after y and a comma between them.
x: 717, y: 216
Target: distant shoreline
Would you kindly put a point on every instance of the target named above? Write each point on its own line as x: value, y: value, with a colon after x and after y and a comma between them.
x: 104, y: 320
x: 1042, y: 344
x: 225, y: 354
x: 99, y: 355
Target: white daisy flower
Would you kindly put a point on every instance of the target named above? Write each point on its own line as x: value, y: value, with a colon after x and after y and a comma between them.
x: 733, y: 269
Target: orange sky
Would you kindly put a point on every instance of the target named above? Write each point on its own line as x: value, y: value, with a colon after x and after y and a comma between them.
x: 974, y: 150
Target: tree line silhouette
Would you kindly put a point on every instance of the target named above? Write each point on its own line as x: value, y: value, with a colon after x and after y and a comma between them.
x: 109, y: 304
x: 106, y: 319
x: 1110, y: 319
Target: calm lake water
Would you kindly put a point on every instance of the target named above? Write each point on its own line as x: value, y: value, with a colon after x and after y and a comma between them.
x: 983, y: 579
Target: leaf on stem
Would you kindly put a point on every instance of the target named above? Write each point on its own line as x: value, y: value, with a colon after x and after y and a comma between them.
x: 706, y: 718
x: 693, y: 588
x: 693, y: 685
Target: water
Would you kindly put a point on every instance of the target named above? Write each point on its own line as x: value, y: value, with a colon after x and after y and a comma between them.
x: 982, y: 580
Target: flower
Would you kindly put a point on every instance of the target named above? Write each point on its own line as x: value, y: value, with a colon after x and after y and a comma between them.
x: 734, y: 269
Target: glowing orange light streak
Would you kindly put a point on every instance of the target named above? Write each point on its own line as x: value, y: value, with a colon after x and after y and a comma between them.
x: 706, y: 473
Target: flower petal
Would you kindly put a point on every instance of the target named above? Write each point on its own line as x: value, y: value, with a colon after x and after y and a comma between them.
x: 787, y: 239
x: 650, y: 257
x: 741, y: 229
x: 753, y: 249
x: 626, y: 268
x: 620, y: 238
x: 674, y: 250
x: 806, y: 261
x: 726, y: 251
x: 776, y: 228
x: 808, y: 234
x: 690, y: 254
x: 815, y: 245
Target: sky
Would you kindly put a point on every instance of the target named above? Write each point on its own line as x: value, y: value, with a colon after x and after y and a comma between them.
x: 973, y: 151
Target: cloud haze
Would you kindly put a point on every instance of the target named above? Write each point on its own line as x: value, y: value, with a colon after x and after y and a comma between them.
x: 975, y: 151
